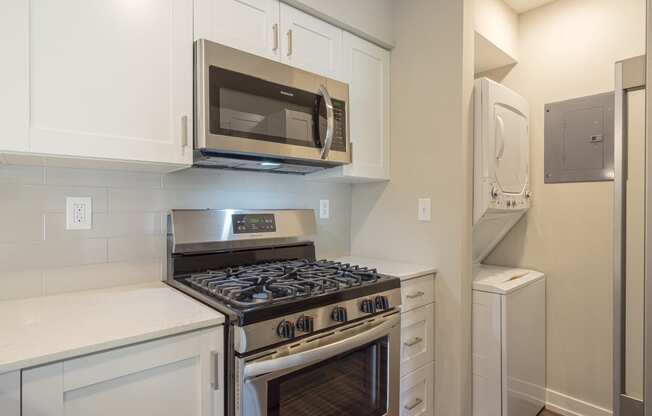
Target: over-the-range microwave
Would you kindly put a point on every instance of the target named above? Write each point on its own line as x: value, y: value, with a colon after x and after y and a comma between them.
x: 253, y: 113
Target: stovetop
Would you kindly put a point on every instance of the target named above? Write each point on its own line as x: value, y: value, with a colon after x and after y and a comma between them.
x: 270, y: 289
x: 245, y: 287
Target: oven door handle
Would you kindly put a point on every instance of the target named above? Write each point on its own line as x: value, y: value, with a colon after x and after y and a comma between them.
x: 321, y: 353
x: 330, y: 122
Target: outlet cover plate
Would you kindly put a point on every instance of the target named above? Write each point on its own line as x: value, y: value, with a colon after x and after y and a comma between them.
x: 79, y: 213
x: 424, y: 209
x: 324, y: 209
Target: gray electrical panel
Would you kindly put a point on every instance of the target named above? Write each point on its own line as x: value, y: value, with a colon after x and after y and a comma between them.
x: 579, y: 139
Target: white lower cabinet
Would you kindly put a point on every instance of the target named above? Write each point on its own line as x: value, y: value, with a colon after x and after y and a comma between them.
x: 178, y: 375
x: 418, y: 346
x: 10, y: 394
x: 418, y: 392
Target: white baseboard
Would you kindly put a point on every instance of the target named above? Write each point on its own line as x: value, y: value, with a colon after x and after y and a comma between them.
x: 570, y: 406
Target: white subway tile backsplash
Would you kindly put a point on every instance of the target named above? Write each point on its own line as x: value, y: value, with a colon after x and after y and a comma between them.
x: 137, y: 247
x: 48, y: 198
x: 102, y: 178
x: 27, y: 175
x: 104, y: 225
x: 21, y: 284
x: 121, y: 200
x: 20, y: 225
x: 98, y: 276
x: 127, y: 242
x: 20, y: 256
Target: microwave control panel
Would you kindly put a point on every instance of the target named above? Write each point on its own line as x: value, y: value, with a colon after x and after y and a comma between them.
x: 253, y: 223
x: 339, y: 135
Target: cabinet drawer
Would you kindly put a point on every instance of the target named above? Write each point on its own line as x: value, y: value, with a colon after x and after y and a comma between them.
x: 418, y: 392
x: 417, y: 292
x: 417, y: 338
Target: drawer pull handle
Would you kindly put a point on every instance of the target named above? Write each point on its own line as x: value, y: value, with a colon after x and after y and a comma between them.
x: 414, y: 404
x: 414, y: 341
x: 415, y: 295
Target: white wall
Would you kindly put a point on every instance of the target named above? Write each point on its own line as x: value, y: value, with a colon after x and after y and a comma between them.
x: 431, y: 77
x: 127, y: 242
x: 568, y: 49
x: 371, y: 19
x: 498, y: 23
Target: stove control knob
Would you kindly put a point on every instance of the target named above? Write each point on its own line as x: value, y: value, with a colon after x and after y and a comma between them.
x: 382, y: 303
x: 339, y: 314
x: 285, y: 330
x: 367, y: 306
x: 305, y: 324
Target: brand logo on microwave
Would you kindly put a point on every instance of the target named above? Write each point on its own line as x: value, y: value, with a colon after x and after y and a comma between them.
x: 289, y: 94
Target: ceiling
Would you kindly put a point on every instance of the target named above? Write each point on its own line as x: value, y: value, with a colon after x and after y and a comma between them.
x: 521, y: 6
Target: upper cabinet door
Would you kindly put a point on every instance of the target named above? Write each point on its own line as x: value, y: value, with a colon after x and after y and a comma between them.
x: 14, y: 75
x: 367, y: 68
x: 310, y: 44
x: 248, y: 25
x: 112, y: 79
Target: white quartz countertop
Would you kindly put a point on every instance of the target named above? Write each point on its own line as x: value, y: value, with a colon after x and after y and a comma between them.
x: 51, y: 328
x: 403, y: 271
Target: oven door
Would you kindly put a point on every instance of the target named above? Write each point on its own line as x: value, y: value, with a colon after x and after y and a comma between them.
x: 252, y: 106
x: 350, y: 371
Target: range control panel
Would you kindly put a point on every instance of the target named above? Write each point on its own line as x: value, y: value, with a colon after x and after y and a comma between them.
x: 253, y: 223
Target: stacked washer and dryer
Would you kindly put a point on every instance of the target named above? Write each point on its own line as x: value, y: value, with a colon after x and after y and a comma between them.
x: 509, y: 304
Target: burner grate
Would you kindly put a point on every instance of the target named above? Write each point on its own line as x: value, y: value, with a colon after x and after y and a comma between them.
x: 266, y: 283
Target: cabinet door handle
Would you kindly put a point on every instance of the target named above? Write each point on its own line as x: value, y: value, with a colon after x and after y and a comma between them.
x: 184, y: 131
x: 289, y: 42
x: 275, y: 31
x: 415, y: 295
x: 414, y: 404
x: 215, y: 370
x: 414, y: 341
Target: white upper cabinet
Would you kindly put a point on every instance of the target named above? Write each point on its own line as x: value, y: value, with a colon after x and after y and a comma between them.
x: 310, y: 44
x: 14, y: 75
x: 248, y: 25
x: 105, y: 80
x: 366, y: 69
x: 166, y: 377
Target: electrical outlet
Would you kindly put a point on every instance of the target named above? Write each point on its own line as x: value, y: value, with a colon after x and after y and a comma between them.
x: 79, y: 213
x: 424, y: 209
x: 324, y: 209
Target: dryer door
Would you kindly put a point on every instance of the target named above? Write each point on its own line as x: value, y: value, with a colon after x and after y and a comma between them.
x: 512, y: 149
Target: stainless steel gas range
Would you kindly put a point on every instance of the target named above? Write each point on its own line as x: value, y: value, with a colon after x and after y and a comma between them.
x: 303, y: 336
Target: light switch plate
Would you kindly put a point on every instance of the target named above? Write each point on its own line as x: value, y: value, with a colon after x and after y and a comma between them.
x: 324, y: 209
x: 424, y: 209
x: 79, y: 213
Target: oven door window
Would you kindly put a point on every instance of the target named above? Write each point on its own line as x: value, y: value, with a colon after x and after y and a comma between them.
x: 249, y: 107
x: 352, y: 384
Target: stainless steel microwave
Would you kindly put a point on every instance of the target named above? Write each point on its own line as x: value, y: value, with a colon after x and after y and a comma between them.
x: 252, y: 113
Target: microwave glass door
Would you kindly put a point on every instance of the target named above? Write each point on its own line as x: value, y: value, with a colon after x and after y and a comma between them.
x: 354, y: 383
x: 252, y: 108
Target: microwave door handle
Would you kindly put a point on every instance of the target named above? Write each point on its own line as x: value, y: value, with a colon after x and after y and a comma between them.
x: 321, y: 353
x: 330, y: 122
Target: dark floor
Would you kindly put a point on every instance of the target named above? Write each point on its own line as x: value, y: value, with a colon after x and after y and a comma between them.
x: 546, y: 412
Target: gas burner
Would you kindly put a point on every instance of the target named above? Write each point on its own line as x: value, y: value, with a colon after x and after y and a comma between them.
x: 274, y: 282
